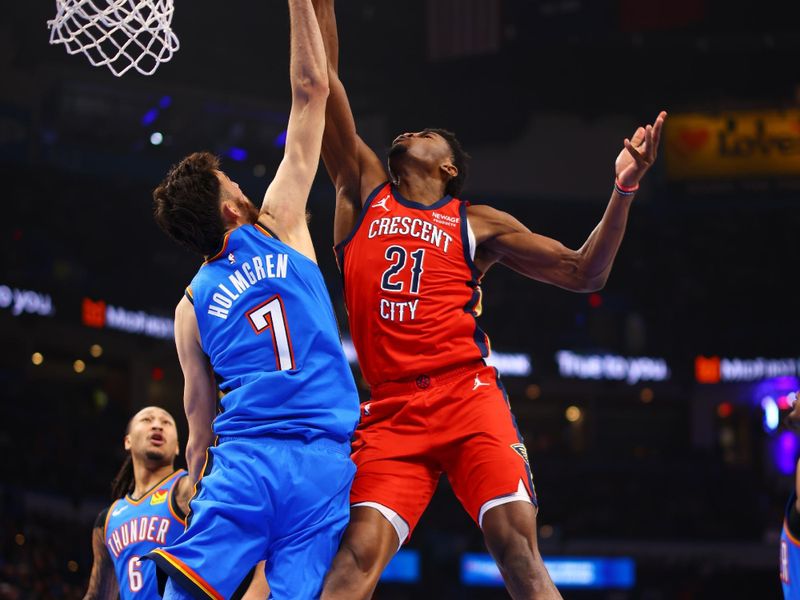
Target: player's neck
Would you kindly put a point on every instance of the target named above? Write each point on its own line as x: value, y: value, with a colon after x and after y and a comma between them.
x: 146, y: 476
x: 238, y: 222
x: 423, y: 189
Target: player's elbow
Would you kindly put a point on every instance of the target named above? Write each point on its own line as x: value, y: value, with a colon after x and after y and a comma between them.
x: 583, y: 285
x: 594, y: 284
x: 584, y: 274
x: 574, y: 275
x: 311, y: 86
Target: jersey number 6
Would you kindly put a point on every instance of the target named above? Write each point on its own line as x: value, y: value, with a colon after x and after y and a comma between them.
x: 135, y: 581
x: 270, y: 315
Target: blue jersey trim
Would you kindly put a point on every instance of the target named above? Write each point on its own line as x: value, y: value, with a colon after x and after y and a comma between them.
x: 502, y: 388
x: 462, y: 211
x: 199, y: 484
x: 258, y: 224
x: 418, y: 205
x: 478, y: 335
x: 137, y: 501
x: 109, y: 512
x: 173, y: 572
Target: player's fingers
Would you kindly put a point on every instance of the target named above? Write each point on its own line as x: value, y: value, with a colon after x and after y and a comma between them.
x: 649, y: 149
x: 633, y: 152
x: 658, y: 125
x: 638, y: 137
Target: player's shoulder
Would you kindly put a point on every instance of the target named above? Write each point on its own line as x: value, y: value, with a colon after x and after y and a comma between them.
x: 488, y: 222
x: 103, y: 516
x: 185, y: 304
x: 792, y: 518
x: 482, y: 211
x: 181, y: 480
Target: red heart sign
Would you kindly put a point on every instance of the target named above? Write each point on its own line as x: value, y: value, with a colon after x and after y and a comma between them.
x: 693, y: 139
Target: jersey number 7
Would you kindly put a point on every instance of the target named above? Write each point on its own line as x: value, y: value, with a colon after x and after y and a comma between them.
x: 270, y: 315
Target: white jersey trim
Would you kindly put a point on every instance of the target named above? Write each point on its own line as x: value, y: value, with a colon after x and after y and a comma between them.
x: 521, y: 495
x: 471, y: 241
x: 399, y: 524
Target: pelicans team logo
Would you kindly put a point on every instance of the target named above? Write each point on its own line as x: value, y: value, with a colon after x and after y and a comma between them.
x: 159, y: 497
x: 522, y: 451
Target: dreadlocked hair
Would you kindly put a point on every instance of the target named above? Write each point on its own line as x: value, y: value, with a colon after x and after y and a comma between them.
x: 123, y: 483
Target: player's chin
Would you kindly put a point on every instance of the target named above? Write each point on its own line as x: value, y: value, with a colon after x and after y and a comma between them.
x: 397, y: 149
x: 154, y: 454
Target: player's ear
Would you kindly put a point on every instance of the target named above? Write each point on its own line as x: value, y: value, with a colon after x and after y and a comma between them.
x: 450, y: 169
x: 127, y: 442
x: 230, y: 212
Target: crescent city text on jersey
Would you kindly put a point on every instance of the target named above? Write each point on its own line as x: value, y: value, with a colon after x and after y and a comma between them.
x: 426, y: 231
x: 417, y: 228
x: 271, y: 266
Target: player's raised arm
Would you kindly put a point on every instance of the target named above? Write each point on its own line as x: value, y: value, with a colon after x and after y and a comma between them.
x: 284, y: 205
x: 103, y: 581
x: 352, y: 165
x: 199, y: 389
x: 502, y: 238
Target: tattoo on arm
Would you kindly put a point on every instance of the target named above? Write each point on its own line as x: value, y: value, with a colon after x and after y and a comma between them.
x: 103, y: 581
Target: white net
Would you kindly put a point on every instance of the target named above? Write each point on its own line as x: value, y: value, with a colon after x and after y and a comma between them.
x: 118, y: 34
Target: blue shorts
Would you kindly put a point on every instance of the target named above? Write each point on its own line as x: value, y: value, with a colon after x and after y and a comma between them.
x: 286, y: 501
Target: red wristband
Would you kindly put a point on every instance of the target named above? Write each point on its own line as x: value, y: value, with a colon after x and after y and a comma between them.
x: 625, y: 188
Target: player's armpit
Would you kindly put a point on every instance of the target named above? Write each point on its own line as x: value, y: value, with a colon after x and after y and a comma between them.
x: 103, y: 581
x: 183, y: 493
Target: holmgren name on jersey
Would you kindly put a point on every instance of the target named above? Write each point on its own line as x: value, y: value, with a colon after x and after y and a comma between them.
x: 271, y: 266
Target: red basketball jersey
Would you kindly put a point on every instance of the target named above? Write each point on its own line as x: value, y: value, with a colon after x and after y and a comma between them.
x: 411, y: 287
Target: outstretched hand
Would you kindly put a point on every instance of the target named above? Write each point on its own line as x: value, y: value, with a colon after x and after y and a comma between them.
x: 639, y: 153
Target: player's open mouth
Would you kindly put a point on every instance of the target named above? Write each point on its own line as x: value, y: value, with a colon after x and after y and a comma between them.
x: 157, y: 439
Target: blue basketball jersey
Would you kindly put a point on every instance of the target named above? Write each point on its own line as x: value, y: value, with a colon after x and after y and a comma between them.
x: 268, y: 328
x: 135, y: 527
x: 790, y: 558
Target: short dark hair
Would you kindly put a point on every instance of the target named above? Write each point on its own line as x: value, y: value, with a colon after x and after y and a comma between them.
x: 186, y: 203
x: 460, y: 160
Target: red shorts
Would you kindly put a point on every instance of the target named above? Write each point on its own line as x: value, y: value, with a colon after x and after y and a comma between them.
x: 458, y: 422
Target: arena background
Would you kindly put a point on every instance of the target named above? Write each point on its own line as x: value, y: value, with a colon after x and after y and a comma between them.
x: 651, y: 411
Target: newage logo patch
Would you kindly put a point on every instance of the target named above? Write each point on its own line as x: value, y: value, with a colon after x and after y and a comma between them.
x: 445, y: 219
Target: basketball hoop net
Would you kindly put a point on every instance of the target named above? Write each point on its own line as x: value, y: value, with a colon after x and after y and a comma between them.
x: 118, y: 34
